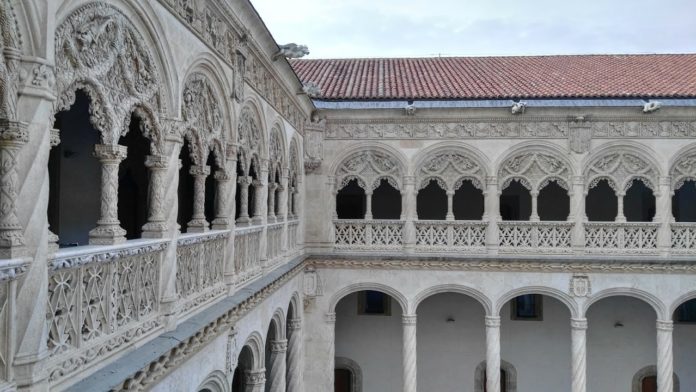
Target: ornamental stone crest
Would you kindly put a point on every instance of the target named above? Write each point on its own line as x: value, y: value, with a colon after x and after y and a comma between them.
x: 580, y: 286
x: 450, y: 168
x: 99, y: 51
x: 314, y: 144
x: 534, y: 170
x: 579, y: 137
x: 620, y: 169
x: 202, y: 116
x: 684, y: 170
x: 369, y: 168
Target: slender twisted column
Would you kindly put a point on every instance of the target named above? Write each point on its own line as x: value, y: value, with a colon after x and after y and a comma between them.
x: 492, y: 213
x: 12, y: 137
x: 331, y: 342
x: 492, y: 353
x: 664, y: 215
x: 271, y: 202
x: 294, y: 364
x: 368, y: 205
x: 620, y: 217
x: 278, y: 350
x: 534, y: 217
x: 198, y: 223
x: 577, y: 213
x: 255, y: 380
x: 156, y: 225
x: 578, y: 338
x: 409, y: 354
x: 450, y: 211
x: 243, y: 182
x: 108, y: 230
x: 222, y: 218
x: 665, y: 359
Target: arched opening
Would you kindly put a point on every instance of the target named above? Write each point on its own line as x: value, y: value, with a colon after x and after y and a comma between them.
x: 347, y: 375
x: 684, y: 202
x: 386, y: 201
x: 553, y: 202
x: 368, y: 331
x: 684, y: 344
x: 276, y: 199
x: 467, y: 202
x: 537, y: 326
x: 645, y: 380
x: 351, y: 201
x: 515, y: 202
x: 185, y: 190
x: 508, y: 377
x: 601, y: 203
x: 74, y: 176
x: 133, y: 181
x: 451, y: 338
x: 251, y: 195
x: 211, y: 189
x: 620, y: 341
x: 431, y: 202
x: 639, y: 203
x: 272, y: 336
x: 293, y: 334
x: 245, y: 365
x: 237, y: 194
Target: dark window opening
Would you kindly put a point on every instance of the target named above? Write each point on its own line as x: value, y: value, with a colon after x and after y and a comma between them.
x: 601, y: 204
x: 648, y: 384
x: 343, y: 380
x: 351, y: 201
x: 133, y: 181
x: 431, y: 202
x: 684, y: 202
x: 639, y: 203
x: 245, y: 364
x: 74, y: 201
x: 527, y: 307
x: 185, y: 191
x: 515, y: 202
x: 686, y: 312
x: 553, y: 203
x: 374, y: 303
x: 237, y: 199
x: 386, y: 201
x: 251, y: 203
x: 468, y: 202
x: 211, y: 189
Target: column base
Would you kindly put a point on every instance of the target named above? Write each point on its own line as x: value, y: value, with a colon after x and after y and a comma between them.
x: 257, y: 220
x: 197, y: 226
x: 155, y: 230
x: 243, y: 221
x: 221, y: 224
x: 111, y: 234
x: 271, y: 219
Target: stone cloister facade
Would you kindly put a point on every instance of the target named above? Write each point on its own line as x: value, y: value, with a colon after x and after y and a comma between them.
x: 182, y: 210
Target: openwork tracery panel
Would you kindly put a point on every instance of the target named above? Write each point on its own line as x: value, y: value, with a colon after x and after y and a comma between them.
x: 369, y: 168
x: 620, y: 169
x: 200, y: 268
x: 534, y: 170
x: 450, y: 168
x: 368, y: 235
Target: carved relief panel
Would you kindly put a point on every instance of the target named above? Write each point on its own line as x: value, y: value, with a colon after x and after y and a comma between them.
x: 450, y: 168
x: 534, y: 170
x: 620, y: 169
x: 368, y: 168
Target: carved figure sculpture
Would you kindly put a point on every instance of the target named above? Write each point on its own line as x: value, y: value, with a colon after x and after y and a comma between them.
x: 292, y: 51
x: 652, y: 106
x: 518, y: 107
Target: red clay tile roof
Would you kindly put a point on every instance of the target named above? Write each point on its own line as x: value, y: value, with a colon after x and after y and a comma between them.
x: 579, y: 76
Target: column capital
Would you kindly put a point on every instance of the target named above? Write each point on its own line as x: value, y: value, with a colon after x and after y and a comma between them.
x: 13, y: 133
x: 578, y: 180
x: 255, y: 377
x: 54, y: 137
x: 665, y: 181
x: 197, y: 170
x: 409, y: 180
x: 665, y: 325
x: 492, y: 321
x: 222, y: 175
x: 110, y: 153
x: 578, y: 324
x: 272, y: 186
x: 330, y: 317
x: 409, y: 319
x: 244, y: 180
x: 279, y: 346
x: 295, y: 324
x: 156, y: 162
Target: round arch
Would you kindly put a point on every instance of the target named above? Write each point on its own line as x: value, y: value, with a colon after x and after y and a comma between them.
x: 256, y: 345
x: 647, y: 372
x: 559, y: 295
x: 253, y: 107
x: 215, y: 382
x: 355, y: 372
x: 481, y: 298
x: 354, y: 288
x: 294, y: 309
x: 466, y: 149
x: 654, y: 302
x: 510, y: 376
x: 279, y: 320
x: 680, y: 301
x: 207, y: 64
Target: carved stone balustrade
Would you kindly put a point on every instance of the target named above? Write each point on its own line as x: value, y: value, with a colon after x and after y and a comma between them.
x: 100, y: 299
x: 624, y: 237
x: 450, y: 236
x: 293, y: 232
x: 200, y: 263
x: 535, y: 237
x: 274, y: 238
x: 683, y: 238
x: 368, y: 234
x: 247, y: 253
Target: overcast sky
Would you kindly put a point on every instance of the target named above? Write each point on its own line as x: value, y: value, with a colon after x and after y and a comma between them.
x: 416, y: 28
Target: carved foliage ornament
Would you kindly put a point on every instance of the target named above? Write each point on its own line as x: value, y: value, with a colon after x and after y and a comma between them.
x: 684, y: 170
x: 535, y: 170
x: 249, y: 136
x: 276, y: 154
x: 100, y: 51
x: 294, y: 171
x: 369, y: 168
x: 620, y: 169
x: 450, y: 169
x: 9, y: 63
x: 203, y: 117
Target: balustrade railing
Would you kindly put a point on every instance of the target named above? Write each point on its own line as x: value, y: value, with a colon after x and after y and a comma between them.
x: 100, y: 299
x: 450, y: 236
x: 615, y: 237
x: 274, y: 241
x: 200, y: 263
x: 368, y: 235
x: 247, y: 252
x: 683, y: 237
x: 534, y: 237
x: 293, y: 232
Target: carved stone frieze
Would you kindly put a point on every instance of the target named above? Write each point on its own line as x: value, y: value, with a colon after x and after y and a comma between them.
x: 369, y: 168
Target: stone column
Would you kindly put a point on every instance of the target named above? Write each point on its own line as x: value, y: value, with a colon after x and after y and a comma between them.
x: 222, y: 197
x: 409, y: 213
x: 492, y: 213
x: 256, y: 214
x: 198, y: 224
x: 368, y: 205
x: 450, y: 211
x: 243, y: 183
x: 283, y: 197
x: 108, y: 230
x: 492, y: 353
x: 577, y: 214
x: 255, y: 380
x: 156, y: 226
x: 291, y: 211
x: 278, y: 350
x: 294, y: 357
x: 664, y: 215
x: 620, y: 217
x: 331, y: 343
x: 271, y: 202
x: 261, y: 187
x: 12, y: 137
x: 665, y: 360
x: 534, y: 217
x: 578, y: 337
x: 409, y: 353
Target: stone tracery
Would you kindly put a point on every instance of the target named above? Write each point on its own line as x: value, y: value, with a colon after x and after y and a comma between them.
x: 449, y: 168
x: 369, y: 167
x: 534, y: 170
x: 620, y: 168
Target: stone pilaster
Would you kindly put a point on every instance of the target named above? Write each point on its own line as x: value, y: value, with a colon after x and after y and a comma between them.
x: 294, y: 357
x: 156, y: 226
x: 492, y: 353
x: 108, y: 230
x: 13, y: 136
x: 665, y: 358
x: 198, y: 224
x: 578, y: 330
x: 277, y: 380
x: 409, y: 353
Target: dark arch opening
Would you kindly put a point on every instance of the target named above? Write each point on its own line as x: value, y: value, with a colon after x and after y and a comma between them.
x: 211, y: 189
x: 639, y: 203
x: 251, y: 202
x: 185, y: 190
x: 276, y: 199
x: 686, y: 312
x: 268, y: 357
x: 351, y: 201
x: 237, y: 197
x: 515, y: 202
x: 601, y: 204
x: 386, y: 201
x: 133, y: 181
x: 553, y: 203
x: 684, y: 202
x: 74, y: 176
x: 467, y: 203
x: 245, y: 364
x: 431, y: 202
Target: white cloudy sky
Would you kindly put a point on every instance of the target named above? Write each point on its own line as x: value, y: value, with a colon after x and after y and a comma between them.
x: 389, y: 28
